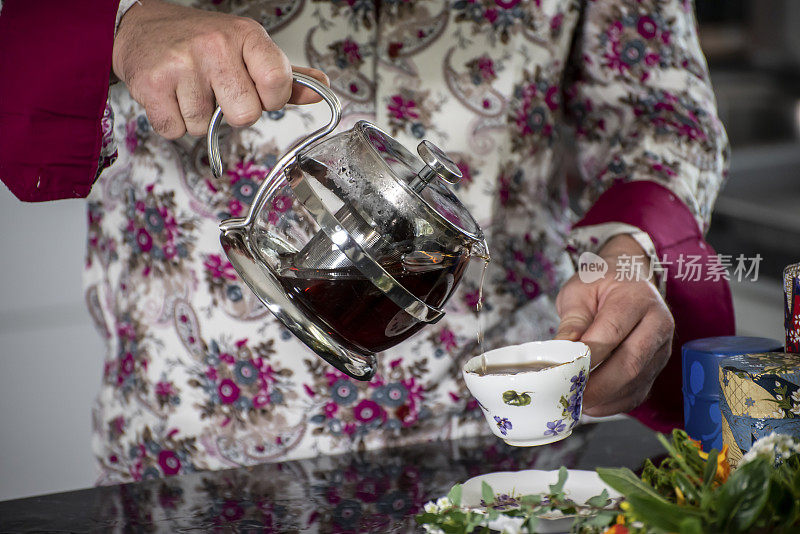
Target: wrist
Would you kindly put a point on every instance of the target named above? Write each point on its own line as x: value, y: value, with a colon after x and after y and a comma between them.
x: 624, y: 248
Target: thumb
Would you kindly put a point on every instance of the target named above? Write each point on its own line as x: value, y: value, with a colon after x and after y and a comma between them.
x: 575, y: 312
x: 304, y: 95
x: 573, y: 325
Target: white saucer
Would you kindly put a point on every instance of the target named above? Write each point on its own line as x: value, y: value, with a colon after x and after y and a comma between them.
x: 580, y: 487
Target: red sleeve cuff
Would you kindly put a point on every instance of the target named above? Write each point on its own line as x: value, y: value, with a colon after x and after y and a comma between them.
x: 55, y: 69
x: 701, y: 308
x: 648, y: 206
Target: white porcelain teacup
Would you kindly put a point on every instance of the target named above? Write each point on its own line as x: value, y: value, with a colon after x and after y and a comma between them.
x: 531, y: 407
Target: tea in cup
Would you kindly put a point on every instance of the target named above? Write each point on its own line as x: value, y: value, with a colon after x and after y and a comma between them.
x: 530, y: 394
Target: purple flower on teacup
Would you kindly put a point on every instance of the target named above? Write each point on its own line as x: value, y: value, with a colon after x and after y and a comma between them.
x: 555, y: 427
x: 578, y: 382
x: 503, y: 424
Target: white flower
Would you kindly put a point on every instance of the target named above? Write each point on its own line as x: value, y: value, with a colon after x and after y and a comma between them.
x: 431, y: 507
x: 779, y: 397
x: 443, y: 503
x: 507, y: 525
x: 777, y: 414
x: 775, y: 448
x: 796, y: 396
x: 796, y: 409
x: 433, y: 529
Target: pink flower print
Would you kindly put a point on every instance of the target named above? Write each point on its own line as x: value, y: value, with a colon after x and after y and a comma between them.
x: 260, y: 400
x: 394, y: 49
x: 552, y: 98
x: 164, y: 389
x: 351, y: 51
x: 485, y: 67
x: 228, y: 391
x: 349, y: 429
x: 118, y: 425
x: 246, y: 169
x: 227, y: 358
x: 144, y: 240
x: 127, y: 365
x: 235, y: 207
x: 401, y: 109
x: 447, y: 339
x: 530, y: 288
x: 282, y: 203
x: 466, y: 172
x: 330, y: 409
x: 211, y: 373
x: 555, y: 22
x: 219, y: 268
x: 169, y: 462
x: 506, y: 4
x: 368, y: 410
x: 131, y: 139
x: 126, y: 331
x: 646, y: 27
x: 471, y: 298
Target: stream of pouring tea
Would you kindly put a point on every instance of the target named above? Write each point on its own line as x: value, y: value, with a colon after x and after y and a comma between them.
x: 478, y: 308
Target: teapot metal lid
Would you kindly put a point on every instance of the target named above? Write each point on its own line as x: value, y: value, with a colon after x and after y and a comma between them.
x: 422, y: 177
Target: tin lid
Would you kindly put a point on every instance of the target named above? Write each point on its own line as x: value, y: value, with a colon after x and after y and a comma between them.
x: 757, y: 366
x: 701, y: 359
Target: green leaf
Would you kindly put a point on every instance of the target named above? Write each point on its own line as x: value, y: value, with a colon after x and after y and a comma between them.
x: 711, y: 467
x: 743, y: 496
x: 487, y: 493
x: 624, y: 481
x: 599, y: 501
x: 455, y: 494
x: 691, y: 525
x: 512, y: 398
x: 531, y: 500
x: 660, y: 513
x: 558, y: 487
x: 531, y: 523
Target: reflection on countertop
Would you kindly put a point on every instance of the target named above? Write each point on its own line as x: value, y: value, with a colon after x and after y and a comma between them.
x: 376, y: 491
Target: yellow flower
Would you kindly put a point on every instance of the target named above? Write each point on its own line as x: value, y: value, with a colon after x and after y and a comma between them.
x: 679, y: 494
x: 723, y: 465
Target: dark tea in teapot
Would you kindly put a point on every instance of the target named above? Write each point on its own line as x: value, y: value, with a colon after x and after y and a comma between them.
x: 359, y: 314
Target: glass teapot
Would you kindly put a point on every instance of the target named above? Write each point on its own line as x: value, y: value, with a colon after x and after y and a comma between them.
x: 351, y: 241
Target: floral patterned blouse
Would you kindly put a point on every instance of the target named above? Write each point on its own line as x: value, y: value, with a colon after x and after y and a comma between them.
x: 199, y: 375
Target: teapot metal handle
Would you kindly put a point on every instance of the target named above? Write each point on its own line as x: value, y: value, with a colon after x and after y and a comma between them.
x: 267, y: 186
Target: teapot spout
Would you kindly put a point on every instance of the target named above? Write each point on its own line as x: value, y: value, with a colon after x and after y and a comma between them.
x: 480, y: 249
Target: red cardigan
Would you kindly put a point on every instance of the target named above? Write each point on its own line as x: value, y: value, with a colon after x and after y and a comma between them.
x: 55, y: 66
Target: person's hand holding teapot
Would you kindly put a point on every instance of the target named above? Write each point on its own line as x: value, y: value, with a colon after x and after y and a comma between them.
x: 180, y: 62
x: 627, y: 325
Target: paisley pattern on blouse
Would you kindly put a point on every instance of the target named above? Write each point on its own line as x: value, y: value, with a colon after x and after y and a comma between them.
x: 198, y: 374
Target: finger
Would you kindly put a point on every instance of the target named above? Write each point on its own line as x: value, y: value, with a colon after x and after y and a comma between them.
x: 630, y: 399
x: 269, y: 68
x: 233, y: 89
x: 617, y: 315
x: 624, y: 379
x: 304, y: 95
x: 575, y: 306
x: 164, y: 115
x: 196, y: 102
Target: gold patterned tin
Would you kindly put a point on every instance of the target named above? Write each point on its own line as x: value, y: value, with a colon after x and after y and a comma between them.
x: 760, y: 394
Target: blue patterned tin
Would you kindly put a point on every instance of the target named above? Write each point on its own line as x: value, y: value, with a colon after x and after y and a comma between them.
x: 701, y: 411
x: 760, y: 395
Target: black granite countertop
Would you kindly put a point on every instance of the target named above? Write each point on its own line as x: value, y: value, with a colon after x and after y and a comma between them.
x: 375, y: 491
